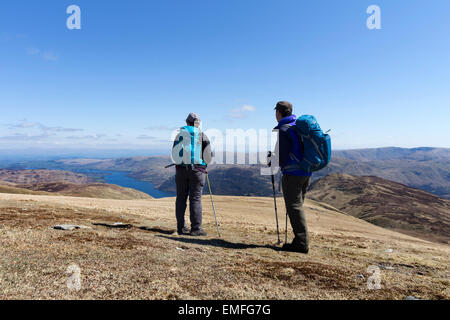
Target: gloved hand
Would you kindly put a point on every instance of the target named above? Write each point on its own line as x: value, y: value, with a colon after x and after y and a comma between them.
x: 202, y: 170
x: 269, y: 159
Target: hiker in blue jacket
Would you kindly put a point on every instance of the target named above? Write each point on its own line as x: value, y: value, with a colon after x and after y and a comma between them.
x: 295, y: 181
x: 191, y: 152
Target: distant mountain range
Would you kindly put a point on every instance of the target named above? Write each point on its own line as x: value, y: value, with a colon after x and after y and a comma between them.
x: 387, y: 204
x: 423, y: 168
x: 392, y: 153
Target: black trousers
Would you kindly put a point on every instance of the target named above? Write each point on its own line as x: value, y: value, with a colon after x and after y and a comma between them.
x: 294, y: 192
x: 190, y: 183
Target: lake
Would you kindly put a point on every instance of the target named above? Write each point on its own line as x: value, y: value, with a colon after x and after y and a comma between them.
x: 121, y: 179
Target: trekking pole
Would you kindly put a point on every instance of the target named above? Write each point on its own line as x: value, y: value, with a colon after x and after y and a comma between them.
x: 169, y: 166
x: 286, y: 227
x: 269, y: 154
x: 275, y: 204
x: 285, y: 235
x: 212, y: 202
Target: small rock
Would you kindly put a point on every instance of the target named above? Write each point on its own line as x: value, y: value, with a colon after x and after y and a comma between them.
x: 69, y: 227
x: 181, y: 249
x: 360, y: 276
x: 389, y: 251
x: 288, y: 271
x: 117, y: 225
x: 411, y: 298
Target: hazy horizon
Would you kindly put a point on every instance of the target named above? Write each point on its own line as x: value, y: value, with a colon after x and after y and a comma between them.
x: 67, y: 153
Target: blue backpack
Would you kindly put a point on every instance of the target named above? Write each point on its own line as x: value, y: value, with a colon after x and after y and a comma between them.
x: 187, y: 148
x: 316, y: 144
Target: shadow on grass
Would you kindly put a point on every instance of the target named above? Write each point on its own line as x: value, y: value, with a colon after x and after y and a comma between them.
x: 220, y: 243
x: 157, y: 230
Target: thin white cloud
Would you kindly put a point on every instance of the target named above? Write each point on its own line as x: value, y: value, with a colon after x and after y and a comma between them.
x: 33, y: 51
x: 24, y: 124
x: 5, y: 36
x: 161, y: 128
x: 45, y: 55
x: 30, y: 133
x: 242, y: 112
x: 145, y: 137
x: 49, y: 56
x: 61, y: 129
x: 25, y: 137
x: 87, y: 137
x: 248, y: 108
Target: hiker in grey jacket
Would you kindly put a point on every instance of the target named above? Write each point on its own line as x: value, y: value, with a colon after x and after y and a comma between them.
x: 191, y: 153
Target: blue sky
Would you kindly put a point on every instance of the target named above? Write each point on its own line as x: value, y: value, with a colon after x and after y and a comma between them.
x: 137, y: 68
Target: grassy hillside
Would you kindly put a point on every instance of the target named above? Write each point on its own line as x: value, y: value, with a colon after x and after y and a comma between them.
x: 41, y: 176
x: 430, y: 175
x: 94, y: 190
x: 8, y: 188
x: 387, y: 204
x: 152, y: 263
x: 46, y: 182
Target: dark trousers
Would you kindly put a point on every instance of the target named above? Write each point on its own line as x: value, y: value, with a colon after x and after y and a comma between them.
x: 190, y: 183
x: 294, y: 191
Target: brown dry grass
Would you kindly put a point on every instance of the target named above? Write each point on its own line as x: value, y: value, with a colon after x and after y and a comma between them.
x: 138, y: 264
x: 41, y: 176
x: 387, y: 204
x: 92, y: 190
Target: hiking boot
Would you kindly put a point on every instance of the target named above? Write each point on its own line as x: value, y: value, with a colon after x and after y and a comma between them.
x: 198, y: 233
x: 184, y: 232
x: 292, y: 248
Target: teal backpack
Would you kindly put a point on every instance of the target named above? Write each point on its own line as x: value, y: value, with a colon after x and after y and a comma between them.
x: 187, y: 149
x: 316, y: 144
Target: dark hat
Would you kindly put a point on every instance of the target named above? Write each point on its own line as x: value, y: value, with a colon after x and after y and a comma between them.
x: 192, y: 117
x: 284, y: 107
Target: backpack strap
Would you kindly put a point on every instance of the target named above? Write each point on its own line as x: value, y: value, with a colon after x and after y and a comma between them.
x: 300, y: 140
